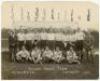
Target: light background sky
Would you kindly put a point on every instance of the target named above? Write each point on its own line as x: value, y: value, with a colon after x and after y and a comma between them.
x: 80, y: 9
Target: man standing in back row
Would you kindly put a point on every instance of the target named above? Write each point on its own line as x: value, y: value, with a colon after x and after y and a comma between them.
x: 13, y: 45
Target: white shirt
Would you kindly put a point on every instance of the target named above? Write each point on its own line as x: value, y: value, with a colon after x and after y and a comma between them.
x: 57, y: 54
x: 71, y: 55
x: 37, y: 36
x: 22, y: 53
x: 35, y: 53
x: 58, y: 37
x: 48, y: 54
x: 21, y: 36
x: 43, y: 36
x: 29, y: 36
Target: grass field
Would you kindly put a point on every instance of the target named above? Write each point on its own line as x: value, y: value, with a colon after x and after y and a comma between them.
x: 27, y: 70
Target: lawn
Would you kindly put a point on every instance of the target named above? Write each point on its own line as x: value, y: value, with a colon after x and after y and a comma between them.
x: 28, y: 70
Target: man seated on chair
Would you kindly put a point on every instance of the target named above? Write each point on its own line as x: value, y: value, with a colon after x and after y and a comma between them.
x: 23, y: 55
x: 47, y: 54
x: 58, y: 56
x: 36, y: 55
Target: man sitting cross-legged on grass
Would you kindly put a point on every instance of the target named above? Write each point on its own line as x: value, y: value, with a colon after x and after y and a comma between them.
x: 71, y: 56
x: 47, y: 55
x: 58, y: 57
x: 23, y: 55
x: 36, y: 55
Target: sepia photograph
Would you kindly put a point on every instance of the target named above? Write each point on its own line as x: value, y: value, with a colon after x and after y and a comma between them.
x: 49, y: 40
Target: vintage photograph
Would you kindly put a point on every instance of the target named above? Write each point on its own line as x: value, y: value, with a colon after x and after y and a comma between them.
x: 49, y: 40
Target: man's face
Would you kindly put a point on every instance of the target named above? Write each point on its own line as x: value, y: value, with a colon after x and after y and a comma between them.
x: 23, y: 48
x: 57, y: 48
x: 71, y: 49
x: 11, y: 33
x: 47, y: 48
x: 22, y: 31
x: 36, y: 48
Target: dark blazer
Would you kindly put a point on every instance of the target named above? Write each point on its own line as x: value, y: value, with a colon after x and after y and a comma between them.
x: 12, y: 41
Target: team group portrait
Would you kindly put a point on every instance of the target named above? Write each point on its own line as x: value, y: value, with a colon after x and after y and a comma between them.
x: 69, y: 46
x: 48, y: 35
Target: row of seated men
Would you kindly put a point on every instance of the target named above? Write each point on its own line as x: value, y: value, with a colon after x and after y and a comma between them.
x: 44, y: 55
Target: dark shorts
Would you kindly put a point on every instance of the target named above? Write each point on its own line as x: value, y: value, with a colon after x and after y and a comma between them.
x: 20, y: 44
x: 28, y: 45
